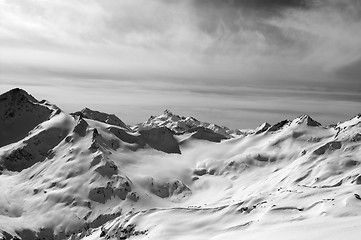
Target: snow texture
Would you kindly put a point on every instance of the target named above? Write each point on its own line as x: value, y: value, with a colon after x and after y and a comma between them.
x: 89, y: 176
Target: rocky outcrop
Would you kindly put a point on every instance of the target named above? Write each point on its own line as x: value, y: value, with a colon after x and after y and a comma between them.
x: 161, y: 139
x: 101, y: 117
x: 207, y: 134
x: 19, y: 114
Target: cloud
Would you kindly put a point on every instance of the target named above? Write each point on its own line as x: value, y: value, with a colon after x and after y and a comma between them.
x: 264, y: 8
x: 218, y: 32
x: 198, y: 50
x: 350, y: 74
x: 348, y: 9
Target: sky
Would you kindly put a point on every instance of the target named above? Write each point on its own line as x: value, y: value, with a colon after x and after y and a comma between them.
x: 234, y: 63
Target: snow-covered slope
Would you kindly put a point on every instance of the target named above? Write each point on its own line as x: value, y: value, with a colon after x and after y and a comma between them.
x: 88, y: 178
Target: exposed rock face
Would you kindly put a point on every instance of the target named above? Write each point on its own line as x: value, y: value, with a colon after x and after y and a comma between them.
x: 173, y: 188
x: 40, y: 125
x: 101, y: 117
x: 131, y: 138
x: 34, y: 149
x: 81, y: 127
x: 161, y: 139
x: 118, y: 186
x: 108, y: 169
x: 262, y: 128
x: 207, y: 134
x: 278, y: 126
x: 19, y: 114
x: 330, y: 146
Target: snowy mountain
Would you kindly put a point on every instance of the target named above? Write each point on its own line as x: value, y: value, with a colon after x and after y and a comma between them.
x: 88, y: 175
x: 181, y: 125
x: 101, y: 117
x: 20, y: 113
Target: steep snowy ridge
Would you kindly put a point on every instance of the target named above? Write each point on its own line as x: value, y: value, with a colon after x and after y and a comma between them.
x: 350, y: 129
x: 20, y: 113
x: 101, y: 117
x: 262, y: 128
x: 89, y: 176
x: 37, y: 145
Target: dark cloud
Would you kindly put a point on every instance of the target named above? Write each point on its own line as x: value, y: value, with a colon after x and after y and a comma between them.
x: 265, y: 8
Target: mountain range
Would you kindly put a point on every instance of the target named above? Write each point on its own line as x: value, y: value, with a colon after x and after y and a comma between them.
x: 88, y: 175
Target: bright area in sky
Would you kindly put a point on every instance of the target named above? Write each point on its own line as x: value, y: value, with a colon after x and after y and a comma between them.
x: 238, y: 63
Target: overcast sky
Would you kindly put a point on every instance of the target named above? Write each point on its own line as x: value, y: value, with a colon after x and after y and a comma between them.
x: 236, y: 63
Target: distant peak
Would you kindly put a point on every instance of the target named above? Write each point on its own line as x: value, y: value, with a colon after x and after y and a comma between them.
x: 192, y: 119
x: 265, y: 124
x: 262, y: 128
x: 18, y: 93
x: 308, y: 120
x: 304, y: 117
x: 278, y: 125
x: 86, y: 109
x: 168, y: 112
x: 181, y: 124
x: 101, y: 117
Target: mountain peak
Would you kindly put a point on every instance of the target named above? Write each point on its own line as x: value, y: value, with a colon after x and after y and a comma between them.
x: 168, y: 112
x: 17, y: 95
x: 349, y: 123
x: 15, y: 91
x: 307, y: 120
x: 278, y: 125
x: 19, y: 113
x: 262, y: 128
x: 180, y: 124
x: 168, y: 115
x: 111, y: 119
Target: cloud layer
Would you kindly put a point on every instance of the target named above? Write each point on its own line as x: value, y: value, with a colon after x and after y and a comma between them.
x: 205, y: 56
